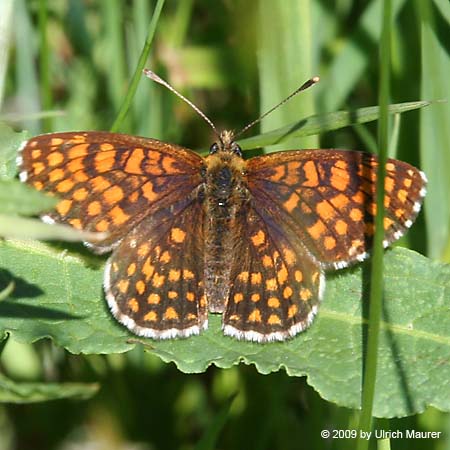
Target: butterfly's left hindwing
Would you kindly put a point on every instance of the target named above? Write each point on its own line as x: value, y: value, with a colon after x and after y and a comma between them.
x: 154, y: 278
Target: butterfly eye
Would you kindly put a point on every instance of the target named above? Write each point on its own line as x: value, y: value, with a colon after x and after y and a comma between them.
x: 237, y: 150
x: 214, y: 148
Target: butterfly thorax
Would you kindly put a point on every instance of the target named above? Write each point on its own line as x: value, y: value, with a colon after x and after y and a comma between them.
x: 225, y: 196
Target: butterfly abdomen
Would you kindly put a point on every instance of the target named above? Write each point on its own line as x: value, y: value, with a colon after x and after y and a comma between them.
x: 225, y: 197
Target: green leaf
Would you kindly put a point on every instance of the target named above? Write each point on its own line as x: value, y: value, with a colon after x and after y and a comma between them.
x: 10, y: 141
x: 325, y: 122
x: 14, y: 392
x: 56, y: 295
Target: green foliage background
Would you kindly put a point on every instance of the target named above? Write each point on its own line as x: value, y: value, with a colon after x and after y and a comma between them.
x: 66, y: 66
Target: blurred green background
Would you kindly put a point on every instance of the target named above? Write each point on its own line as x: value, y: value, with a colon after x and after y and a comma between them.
x: 66, y: 64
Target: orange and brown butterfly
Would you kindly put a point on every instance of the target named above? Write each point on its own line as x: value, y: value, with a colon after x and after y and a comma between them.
x: 250, y: 239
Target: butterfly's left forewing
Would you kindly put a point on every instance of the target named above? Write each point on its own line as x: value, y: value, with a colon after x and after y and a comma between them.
x: 327, y: 198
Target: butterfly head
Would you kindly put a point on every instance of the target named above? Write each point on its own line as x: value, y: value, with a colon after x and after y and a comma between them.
x: 226, y: 144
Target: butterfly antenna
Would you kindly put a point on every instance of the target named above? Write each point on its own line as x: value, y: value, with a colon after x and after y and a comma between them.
x: 152, y: 75
x: 307, y: 84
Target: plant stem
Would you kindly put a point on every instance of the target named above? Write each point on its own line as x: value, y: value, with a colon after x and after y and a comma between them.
x: 140, y: 66
x: 376, y: 285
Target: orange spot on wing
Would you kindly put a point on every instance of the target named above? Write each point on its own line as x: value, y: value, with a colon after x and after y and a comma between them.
x: 122, y: 285
x: 387, y: 223
x: 135, y: 159
x: 76, y: 223
x: 305, y: 294
x: 273, y: 302
x: 292, y: 311
x: 36, y: 153
x: 158, y: 280
x: 133, y: 305
x: 238, y: 297
x: 177, y: 235
x: 258, y: 238
x: 356, y: 215
x: 325, y: 210
x: 153, y: 299
x: 274, y: 320
x: 329, y: 242
x: 317, y: 230
x: 104, y: 161
x: 80, y: 194
x: 118, y: 215
x: 99, y: 183
x: 165, y: 257
x: 55, y: 159
x: 340, y: 201
x: 94, y: 208
x: 75, y: 165
x: 113, y: 194
x: 78, y: 151
x: 341, y: 227
x: 282, y: 275
x: 278, y: 173
x: 174, y: 275
x: 255, y: 297
x: 168, y: 166
x: 151, y: 316
x: 103, y: 225
x: 56, y: 175
x: 271, y: 284
x: 402, y: 195
x: 38, y: 167
x: 340, y: 177
x: 256, y: 278
x: 292, y: 202
x: 140, y: 287
x: 255, y: 316
x: 148, y: 192
x: 389, y: 184
x: 64, y: 206
x: 131, y: 269
x: 243, y: 276
x: 170, y: 314
x: 312, y: 178
x: 65, y: 186
x: 105, y: 146
x: 187, y: 274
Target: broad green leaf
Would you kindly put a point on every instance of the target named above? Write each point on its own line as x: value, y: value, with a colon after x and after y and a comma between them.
x: 56, y: 295
x: 325, y: 122
x: 19, y: 198
x: 27, y: 392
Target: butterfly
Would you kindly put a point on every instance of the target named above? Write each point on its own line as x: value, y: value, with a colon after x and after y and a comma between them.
x: 250, y: 239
